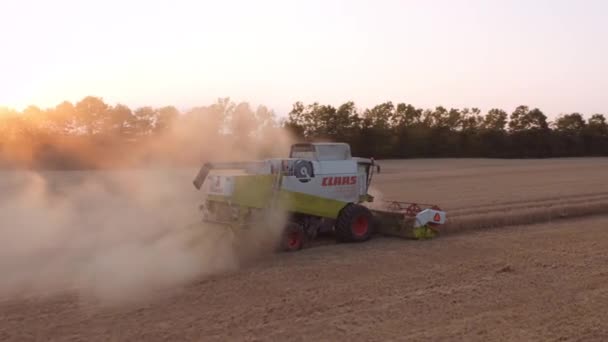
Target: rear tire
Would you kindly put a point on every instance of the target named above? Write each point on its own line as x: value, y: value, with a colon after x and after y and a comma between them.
x: 354, y: 224
x: 294, y: 238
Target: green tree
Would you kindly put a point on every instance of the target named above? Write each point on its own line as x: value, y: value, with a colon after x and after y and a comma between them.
x: 35, y: 118
x: 166, y: 118
x: 296, y: 122
x: 121, y: 121
x: 64, y: 117
x: 596, y: 136
x: 411, y: 131
x: 438, y: 118
x: 377, y: 136
x: 495, y: 120
x: 210, y: 120
x: 406, y: 115
x: 538, y: 120
x: 8, y: 124
x: 317, y: 121
x: 530, y: 134
x: 570, y: 136
x: 597, y: 123
x: 265, y: 117
x: 347, y: 123
x: 570, y: 123
x: 524, y: 119
x: 90, y: 114
x: 380, y: 116
x: 470, y: 120
x: 518, y: 120
x: 219, y: 114
x: 243, y: 123
x: 143, y: 122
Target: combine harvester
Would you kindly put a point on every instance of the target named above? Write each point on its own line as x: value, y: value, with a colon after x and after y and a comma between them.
x: 321, y: 188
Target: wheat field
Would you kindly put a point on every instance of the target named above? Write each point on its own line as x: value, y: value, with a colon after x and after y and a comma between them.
x: 475, y: 282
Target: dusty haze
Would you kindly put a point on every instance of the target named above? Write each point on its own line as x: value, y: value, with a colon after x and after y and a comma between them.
x: 117, y: 236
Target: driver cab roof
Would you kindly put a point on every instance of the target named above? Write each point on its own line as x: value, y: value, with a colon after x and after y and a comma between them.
x: 321, y: 151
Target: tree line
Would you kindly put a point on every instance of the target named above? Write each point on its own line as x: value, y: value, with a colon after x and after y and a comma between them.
x: 91, y: 134
x: 404, y: 131
x: 90, y: 131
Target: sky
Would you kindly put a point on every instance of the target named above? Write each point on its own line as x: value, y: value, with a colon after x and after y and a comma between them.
x: 459, y: 53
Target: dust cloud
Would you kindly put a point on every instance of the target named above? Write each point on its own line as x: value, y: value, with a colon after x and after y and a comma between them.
x: 122, y: 235
x: 379, y: 199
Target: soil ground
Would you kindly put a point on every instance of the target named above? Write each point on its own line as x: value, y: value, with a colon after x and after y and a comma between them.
x: 514, y: 283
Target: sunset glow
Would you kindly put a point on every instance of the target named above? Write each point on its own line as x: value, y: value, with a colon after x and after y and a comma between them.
x: 550, y: 54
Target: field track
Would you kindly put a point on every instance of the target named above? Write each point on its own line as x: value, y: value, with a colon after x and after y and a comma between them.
x: 529, y: 282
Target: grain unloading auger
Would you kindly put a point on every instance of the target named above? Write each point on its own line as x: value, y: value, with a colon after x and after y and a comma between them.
x: 320, y: 188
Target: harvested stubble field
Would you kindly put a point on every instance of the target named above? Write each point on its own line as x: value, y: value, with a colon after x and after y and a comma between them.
x: 521, y: 282
x: 495, y: 193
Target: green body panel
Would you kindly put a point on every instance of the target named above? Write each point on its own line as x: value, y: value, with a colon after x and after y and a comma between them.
x: 257, y: 191
x: 311, y: 205
x: 253, y: 191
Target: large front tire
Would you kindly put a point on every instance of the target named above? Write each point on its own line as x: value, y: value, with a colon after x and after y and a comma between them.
x: 354, y: 224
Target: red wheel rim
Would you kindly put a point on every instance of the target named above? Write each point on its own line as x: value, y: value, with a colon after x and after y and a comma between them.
x: 293, y: 240
x: 361, y: 226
